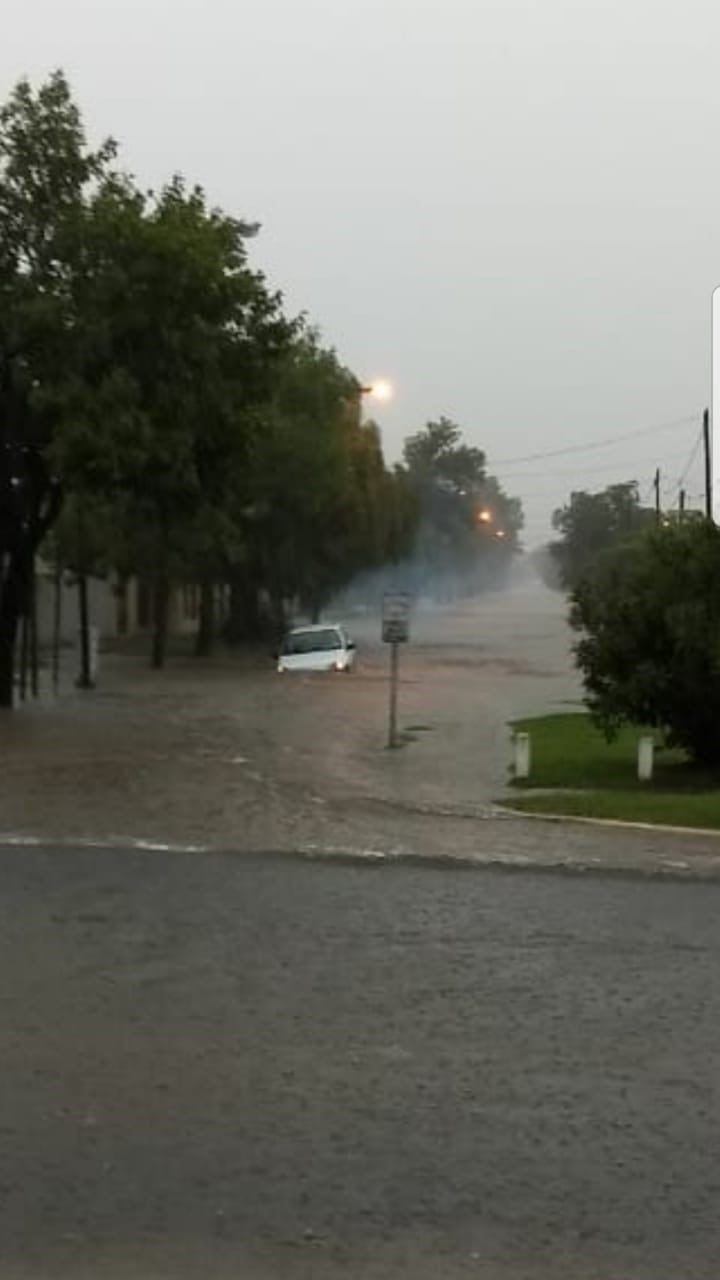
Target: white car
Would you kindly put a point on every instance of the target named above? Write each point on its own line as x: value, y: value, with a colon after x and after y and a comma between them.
x: 321, y: 648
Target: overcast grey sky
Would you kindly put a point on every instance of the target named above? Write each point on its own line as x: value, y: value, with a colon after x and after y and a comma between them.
x: 510, y: 207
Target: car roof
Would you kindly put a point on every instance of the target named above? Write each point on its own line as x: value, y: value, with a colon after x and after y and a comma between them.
x: 320, y: 626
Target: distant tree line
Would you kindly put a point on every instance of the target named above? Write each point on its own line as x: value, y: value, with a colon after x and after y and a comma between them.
x: 162, y: 417
x: 468, y: 527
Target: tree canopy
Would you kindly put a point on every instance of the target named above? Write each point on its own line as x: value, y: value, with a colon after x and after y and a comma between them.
x: 47, y: 176
x: 150, y: 379
x: 469, y: 529
x: 163, y: 418
x: 591, y: 523
x: 649, y: 624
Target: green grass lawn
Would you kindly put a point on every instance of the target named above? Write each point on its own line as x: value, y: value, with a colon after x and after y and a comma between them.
x: 585, y: 776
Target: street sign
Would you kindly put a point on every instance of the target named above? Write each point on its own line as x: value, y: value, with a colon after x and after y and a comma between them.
x: 395, y: 631
x: 396, y: 617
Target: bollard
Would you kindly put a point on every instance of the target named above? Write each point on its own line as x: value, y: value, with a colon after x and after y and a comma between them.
x: 646, y: 757
x: 522, y: 755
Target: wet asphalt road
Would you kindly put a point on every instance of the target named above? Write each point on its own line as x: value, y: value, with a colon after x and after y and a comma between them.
x: 265, y: 1068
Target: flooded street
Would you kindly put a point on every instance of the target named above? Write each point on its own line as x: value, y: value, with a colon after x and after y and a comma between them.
x: 295, y: 1068
x: 241, y: 1061
x: 227, y: 753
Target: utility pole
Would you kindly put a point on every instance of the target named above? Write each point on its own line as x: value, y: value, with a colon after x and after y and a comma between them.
x: 656, y: 486
x: 708, y: 465
x: 681, y: 506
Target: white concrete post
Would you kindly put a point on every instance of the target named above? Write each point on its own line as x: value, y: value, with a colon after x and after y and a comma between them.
x: 646, y: 758
x: 522, y: 755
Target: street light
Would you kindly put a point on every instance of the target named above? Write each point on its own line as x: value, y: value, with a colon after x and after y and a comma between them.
x: 485, y: 516
x: 381, y: 389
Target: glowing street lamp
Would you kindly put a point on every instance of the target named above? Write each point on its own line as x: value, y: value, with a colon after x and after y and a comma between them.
x: 381, y: 389
x: 485, y: 516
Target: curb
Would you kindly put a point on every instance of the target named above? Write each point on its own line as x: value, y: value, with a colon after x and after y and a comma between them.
x: 15, y: 840
x: 707, y: 871
x: 662, y: 828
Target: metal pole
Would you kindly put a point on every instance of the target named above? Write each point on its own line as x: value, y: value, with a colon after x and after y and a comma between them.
x: 681, y: 508
x: 392, y: 731
x: 656, y: 485
x: 708, y: 465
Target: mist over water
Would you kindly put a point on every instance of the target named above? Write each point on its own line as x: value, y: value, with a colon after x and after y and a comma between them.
x: 431, y: 589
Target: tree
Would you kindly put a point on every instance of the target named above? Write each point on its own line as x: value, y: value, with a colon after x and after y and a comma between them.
x: 47, y: 174
x: 179, y: 336
x: 468, y: 527
x: 591, y: 523
x: 547, y: 568
x: 149, y: 376
x: 321, y: 505
x: 649, y: 619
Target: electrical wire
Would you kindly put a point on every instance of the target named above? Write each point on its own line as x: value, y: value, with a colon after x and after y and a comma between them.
x: 690, y: 461
x: 592, y: 471
x: 597, y: 444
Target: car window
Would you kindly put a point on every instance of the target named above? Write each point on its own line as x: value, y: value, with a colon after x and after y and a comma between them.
x: 312, y: 641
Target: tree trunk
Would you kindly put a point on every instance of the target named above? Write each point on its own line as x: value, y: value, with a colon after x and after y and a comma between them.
x: 57, y: 627
x: 161, y: 600
x: 206, y: 624
x: 243, y: 620
x: 24, y: 652
x: 318, y: 602
x: 233, y: 629
x: 34, y: 648
x: 27, y: 519
x: 277, y: 619
x: 7, y: 666
x: 84, y: 680
x: 10, y: 614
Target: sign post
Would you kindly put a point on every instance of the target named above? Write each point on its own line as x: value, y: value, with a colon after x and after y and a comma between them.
x: 395, y: 631
x: 394, y: 668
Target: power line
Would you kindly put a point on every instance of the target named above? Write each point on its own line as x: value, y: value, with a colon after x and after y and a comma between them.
x: 606, y: 467
x: 597, y: 444
x: 691, y: 459
x: 527, y: 497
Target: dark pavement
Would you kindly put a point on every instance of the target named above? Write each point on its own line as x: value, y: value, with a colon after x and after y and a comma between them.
x: 230, y: 1066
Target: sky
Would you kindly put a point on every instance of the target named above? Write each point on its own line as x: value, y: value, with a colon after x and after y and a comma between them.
x: 511, y: 208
